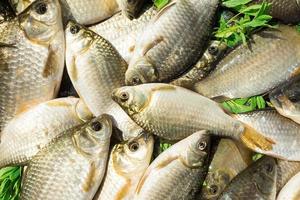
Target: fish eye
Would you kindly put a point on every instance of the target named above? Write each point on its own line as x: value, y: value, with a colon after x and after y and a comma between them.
x: 41, y: 8
x: 294, y: 98
x: 124, y: 96
x: 269, y: 168
x: 202, y: 145
x: 213, y: 50
x: 134, y: 146
x: 213, y: 189
x: 136, y: 81
x: 74, y: 29
x: 96, y: 126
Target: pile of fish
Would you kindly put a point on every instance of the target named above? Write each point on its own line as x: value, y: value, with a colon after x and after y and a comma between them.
x: 143, y: 75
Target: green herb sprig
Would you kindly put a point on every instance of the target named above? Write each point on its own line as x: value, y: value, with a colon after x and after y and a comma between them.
x: 10, y: 183
x: 248, y: 19
x: 161, y: 3
x: 245, y: 105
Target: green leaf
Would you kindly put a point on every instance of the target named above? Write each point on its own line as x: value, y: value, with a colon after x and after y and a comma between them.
x: 235, y: 3
x: 10, y: 183
x: 244, y: 105
x: 161, y: 3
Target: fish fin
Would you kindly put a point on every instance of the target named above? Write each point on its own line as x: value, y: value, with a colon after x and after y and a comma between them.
x: 164, y: 9
x: 296, y: 72
x: 164, y: 87
x: 221, y: 98
x: 255, y: 140
x: 50, y: 66
x: 152, y: 44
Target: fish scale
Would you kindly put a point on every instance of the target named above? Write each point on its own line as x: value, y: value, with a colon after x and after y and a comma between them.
x: 71, y: 166
x: 27, y: 75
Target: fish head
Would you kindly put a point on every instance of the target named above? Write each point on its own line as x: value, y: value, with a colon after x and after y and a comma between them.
x: 93, y: 135
x: 133, y: 155
x: 131, y: 8
x: 198, y: 150
x: 41, y: 21
x: 264, y: 175
x: 215, y: 181
x: 20, y: 5
x: 78, y: 38
x: 132, y: 99
x: 215, y: 50
x: 286, y: 99
x: 142, y: 71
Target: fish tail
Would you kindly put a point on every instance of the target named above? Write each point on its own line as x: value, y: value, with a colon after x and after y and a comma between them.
x: 255, y: 140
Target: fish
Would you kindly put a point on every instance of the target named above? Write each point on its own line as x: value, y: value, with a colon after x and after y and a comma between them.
x: 72, y: 166
x: 258, y: 60
x: 286, y: 99
x: 258, y: 181
x: 122, y: 33
x: 96, y: 68
x: 291, y: 190
x: 173, y: 113
x: 227, y: 162
x: 283, y: 131
x: 178, y: 172
x: 26, y: 134
x: 131, y: 8
x: 204, y: 66
x: 31, y: 58
x: 128, y: 162
x: 172, y: 42
x: 84, y: 12
x: 288, y: 11
x: 285, y: 171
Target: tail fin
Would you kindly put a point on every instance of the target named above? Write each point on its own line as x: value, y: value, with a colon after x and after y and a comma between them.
x: 255, y: 140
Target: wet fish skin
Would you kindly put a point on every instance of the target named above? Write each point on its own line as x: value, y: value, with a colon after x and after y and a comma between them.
x: 228, y: 80
x: 30, y: 131
x: 286, y: 99
x: 182, y: 167
x: 20, y: 5
x: 283, y: 131
x: 258, y: 181
x: 285, y: 171
x: 131, y: 8
x: 122, y: 33
x: 172, y: 42
x: 95, y: 69
x: 228, y: 161
x: 174, y: 113
x: 72, y: 166
x: 127, y: 163
x: 288, y: 11
x: 291, y: 190
x: 203, y: 67
x: 6, y: 11
x: 31, y: 58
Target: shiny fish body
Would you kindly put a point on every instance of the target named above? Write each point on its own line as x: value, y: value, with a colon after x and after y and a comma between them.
x: 285, y: 171
x: 122, y: 32
x: 174, y: 113
x: 72, y: 166
x: 291, y: 190
x: 126, y: 165
x: 228, y: 161
x: 257, y: 182
x: 284, y: 132
x: 173, y: 41
x: 203, y: 67
x: 178, y: 172
x: 287, y: 11
x: 131, y: 8
x: 275, y: 54
x: 20, y: 5
x: 30, y: 131
x: 31, y: 58
x: 286, y: 99
x: 95, y: 69
x: 91, y: 11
